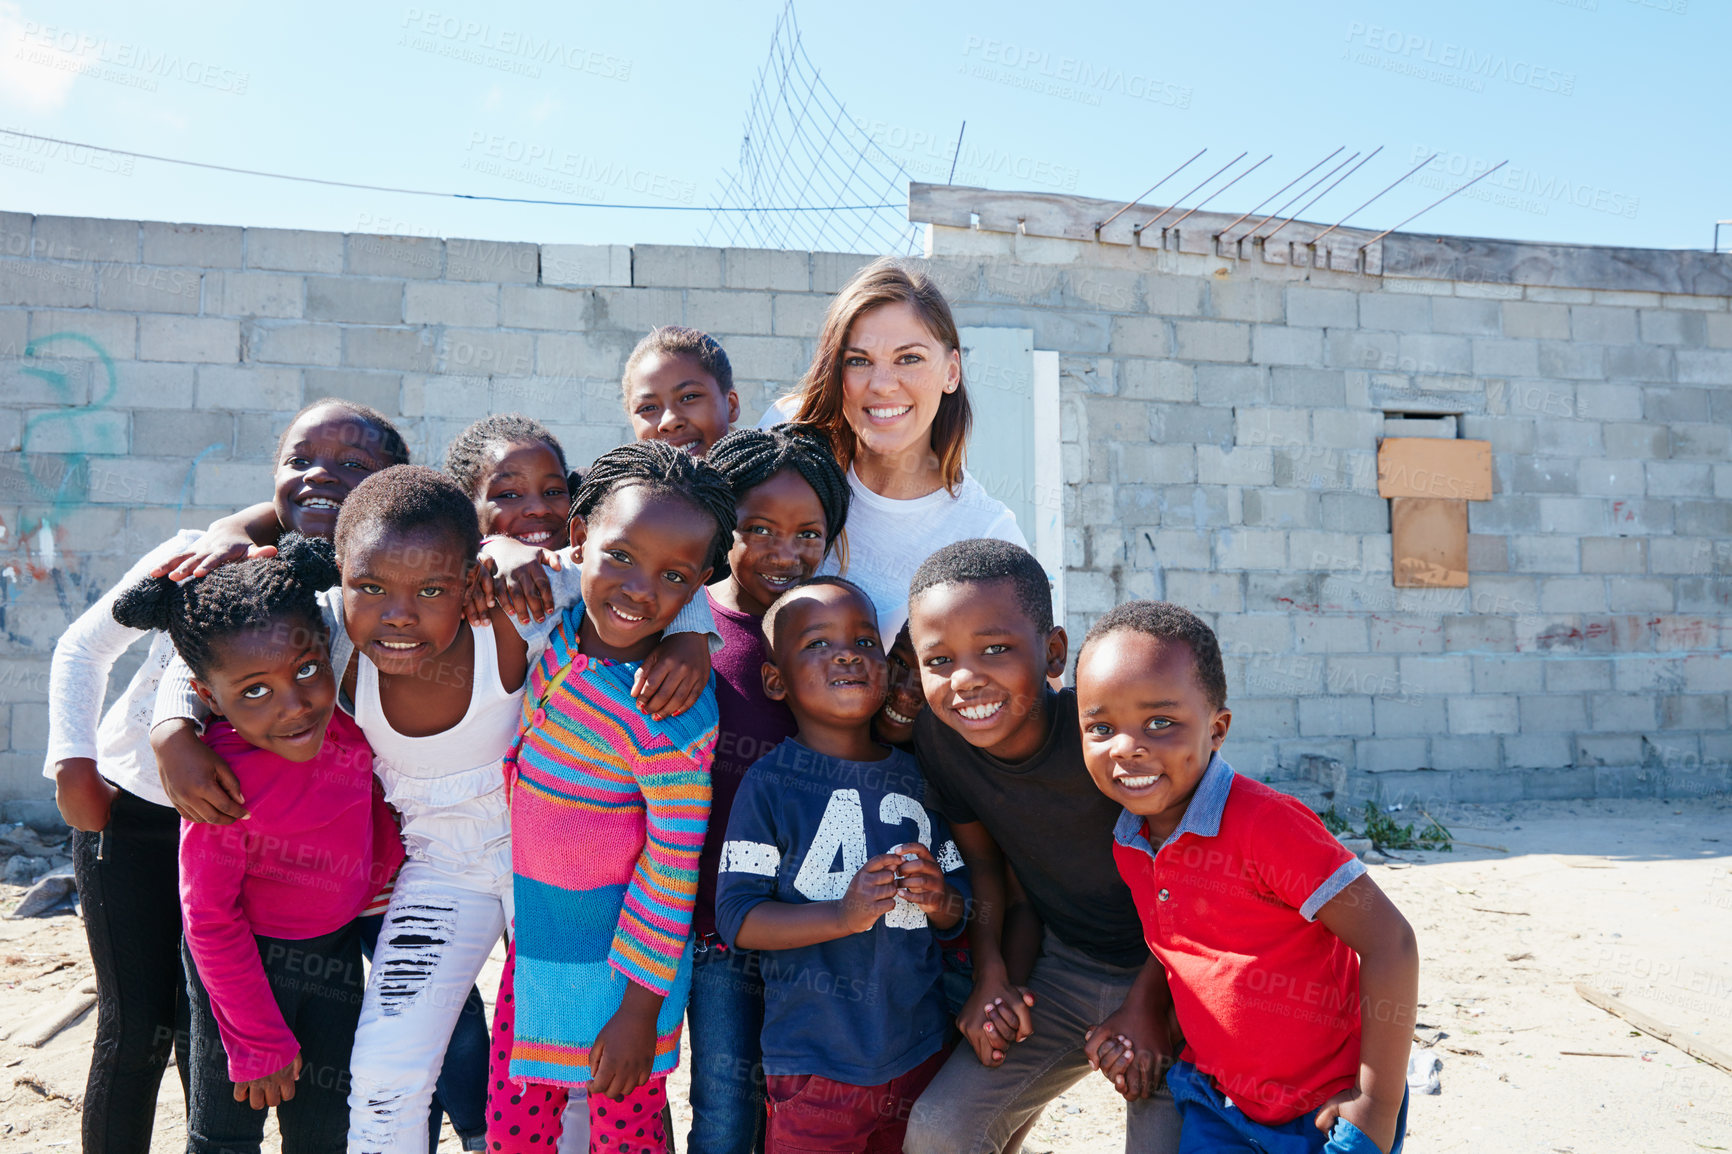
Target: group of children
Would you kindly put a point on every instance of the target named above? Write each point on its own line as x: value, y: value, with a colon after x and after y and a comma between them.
x: 899, y: 896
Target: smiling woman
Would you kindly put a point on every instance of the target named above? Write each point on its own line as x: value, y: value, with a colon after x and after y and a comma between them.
x: 886, y: 386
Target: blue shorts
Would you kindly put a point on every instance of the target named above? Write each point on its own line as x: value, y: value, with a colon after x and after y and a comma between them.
x: 1208, y: 1122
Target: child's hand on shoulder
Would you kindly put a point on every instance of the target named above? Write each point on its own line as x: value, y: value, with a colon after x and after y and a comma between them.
x: 673, y: 676
x: 273, y: 1089
x: 871, y: 894
x: 513, y: 576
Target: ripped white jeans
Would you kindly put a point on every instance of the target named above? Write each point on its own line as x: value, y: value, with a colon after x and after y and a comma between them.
x: 437, y: 935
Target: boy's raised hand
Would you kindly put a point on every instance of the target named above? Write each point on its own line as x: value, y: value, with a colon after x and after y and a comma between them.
x: 273, y: 1089
x: 871, y: 894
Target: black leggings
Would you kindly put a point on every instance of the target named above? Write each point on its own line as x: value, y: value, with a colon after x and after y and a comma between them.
x: 129, y: 886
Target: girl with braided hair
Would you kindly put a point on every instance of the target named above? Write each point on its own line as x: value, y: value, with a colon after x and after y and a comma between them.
x: 270, y: 908
x: 608, y: 812
x: 790, y: 502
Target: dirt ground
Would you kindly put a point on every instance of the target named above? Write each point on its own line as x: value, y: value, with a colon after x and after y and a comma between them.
x: 1633, y: 898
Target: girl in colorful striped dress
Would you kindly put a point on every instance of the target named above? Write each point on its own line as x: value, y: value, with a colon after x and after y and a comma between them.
x: 608, y: 814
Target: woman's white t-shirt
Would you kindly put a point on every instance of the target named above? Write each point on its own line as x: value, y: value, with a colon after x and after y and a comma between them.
x: 888, y: 539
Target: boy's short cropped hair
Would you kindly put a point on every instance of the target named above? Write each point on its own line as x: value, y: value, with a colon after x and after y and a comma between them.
x: 1169, y: 622
x: 775, y: 609
x: 988, y: 559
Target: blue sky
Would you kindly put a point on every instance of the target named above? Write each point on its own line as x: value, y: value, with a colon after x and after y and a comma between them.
x: 1608, y: 111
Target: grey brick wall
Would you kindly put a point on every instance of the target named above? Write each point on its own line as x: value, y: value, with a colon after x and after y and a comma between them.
x: 1219, y: 436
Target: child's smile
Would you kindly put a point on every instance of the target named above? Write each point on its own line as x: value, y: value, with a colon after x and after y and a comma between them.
x: 325, y: 455
x: 778, y: 540
x: 642, y: 555
x: 403, y: 600
x: 526, y: 497
x: 274, y: 685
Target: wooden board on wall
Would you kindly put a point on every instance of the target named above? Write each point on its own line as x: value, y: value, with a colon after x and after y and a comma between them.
x: 1436, y: 468
x: 1429, y: 542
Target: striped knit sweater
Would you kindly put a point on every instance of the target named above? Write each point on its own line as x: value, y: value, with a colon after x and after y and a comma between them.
x: 608, y: 813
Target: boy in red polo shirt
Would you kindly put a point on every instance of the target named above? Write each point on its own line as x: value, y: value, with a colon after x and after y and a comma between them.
x: 1293, y: 977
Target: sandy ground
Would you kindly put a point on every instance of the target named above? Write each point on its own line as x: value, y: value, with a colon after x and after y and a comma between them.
x: 1631, y: 897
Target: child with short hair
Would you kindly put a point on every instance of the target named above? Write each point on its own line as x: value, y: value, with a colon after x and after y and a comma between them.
x: 608, y: 812
x: 679, y: 388
x: 1294, y: 978
x: 1002, y: 755
x: 854, y: 1019
x: 514, y: 470
x: 272, y: 942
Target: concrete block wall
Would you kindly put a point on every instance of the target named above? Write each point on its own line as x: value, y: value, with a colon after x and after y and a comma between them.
x: 1221, y: 421
x: 1219, y: 432
x: 146, y: 371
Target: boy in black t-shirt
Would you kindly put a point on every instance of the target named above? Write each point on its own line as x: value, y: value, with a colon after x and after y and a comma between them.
x: 1002, y: 755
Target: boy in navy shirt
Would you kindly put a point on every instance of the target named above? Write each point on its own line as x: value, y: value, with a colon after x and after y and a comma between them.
x: 1294, y: 979
x: 836, y: 871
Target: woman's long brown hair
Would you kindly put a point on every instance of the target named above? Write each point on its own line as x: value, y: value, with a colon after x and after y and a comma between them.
x: 883, y: 282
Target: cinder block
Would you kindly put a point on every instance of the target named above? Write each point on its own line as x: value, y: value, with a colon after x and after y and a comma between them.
x: 1471, y: 757
x: 1264, y: 718
x: 272, y: 342
x: 1567, y: 674
x: 1479, y: 633
x: 1251, y: 549
x: 1330, y: 633
x: 1573, y: 595
x: 594, y: 356
x: 1506, y: 358
x: 144, y: 288
x: 1141, y: 464
x: 1610, y: 478
x: 83, y: 239
x: 1280, y: 345
x: 1517, y: 674
x: 1672, y: 327
x: 1537, y: 750
x: 217, y: 482
x: 80, y: 335
x: 368, y: 302
x: 1335, y: 717
x: 1345, y: 429
x: 1608, y: 402
x: 729, y: 312
x: 1354, y: 513
x: 1530, y: 319
x: 253, y: 294
x: 1582, y: 515
x: 586, y: 264
x: 1156, y: 380
x: 1243, y: 634
x: 1494, y: 715
x: 294, y: 250
x: 1393, y: 756
x: 1678, y: 405
x: 139, y: 480
x: 679, y: 266
x: 94, y: 431
x: 1446, y: 674
x: 1568, y: 438
x: 1537, y: 475
x: 1243, y: 465
x: 1232, y: 384
x: 1212, y: 341
x: 831, y: 271
x: 1614, y: 555
x: 1569, y: 361
x: 768, y: 358
x: 797, y: 314
x: 192, y: 245
x: 47, y: 284
x: 1334, y: 552
x: 1712, y: 441
x: 383, y: 391
x: 1679, y: 478
x: 1173, y: 296
x: 1719, y: 330
x: 412, y: 257
x: 1281, y: 509
x: 485, y: 353
x: 1688, y: 711
x: 1179, y: 548
x: 1430, y: 353
x: 1488, y: 290
x: 1473, y: 318
x: 1602, y: 325
x: 233, y: 387
x: 1139, y: 337
x: 1641, y: 595
x: 471, y: 306
x: 1111, y: 419
x: 1486, y: 555
x: 1321, y: 308
x: 1206, y: 592
x: 204, y: 339
x: 1704, y: 518
x: 1640, y: 363
x: 1370, y: 352
x: 529, y: 307
x: 1246, y: 299
x: 170, y: 434
x: 1309, y: 388
x: 500, y: 262
x: 1708, y: 673
x: 1395, y: 312
x: 764, y: 268
x: 403, y: 350
x: 635, y: 310
x: 149, y: 385
x: 1621, y: 712
x: 1703, y: 366
x: 1625, y: 440
x: 1680, y: 556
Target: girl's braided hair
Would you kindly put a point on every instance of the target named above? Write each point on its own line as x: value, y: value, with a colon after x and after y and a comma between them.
x: 470, y: 456
x: 749, y: 457
x: 663, y: 469
x: 238, y: 598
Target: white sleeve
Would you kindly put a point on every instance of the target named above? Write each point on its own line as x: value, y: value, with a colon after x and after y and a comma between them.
x: 781, y: 409
x: 83, y: 657
x: 697, y: 618
x: 176, y: 699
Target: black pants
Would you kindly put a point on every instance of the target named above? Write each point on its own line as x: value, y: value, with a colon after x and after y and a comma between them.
x: 129, y: 887
x: 318, y: 984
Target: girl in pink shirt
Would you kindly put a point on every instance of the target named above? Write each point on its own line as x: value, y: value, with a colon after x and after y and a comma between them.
x: 269, y: 904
